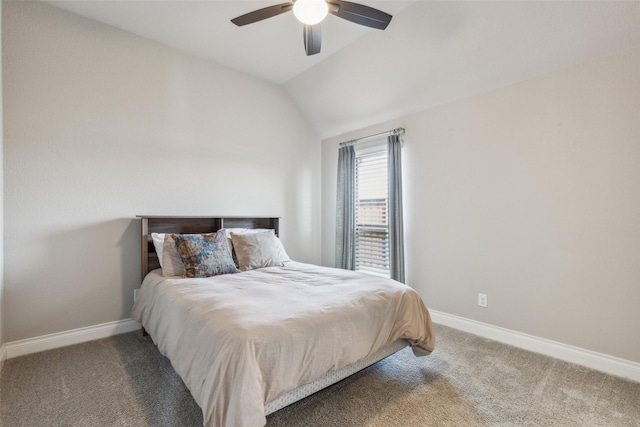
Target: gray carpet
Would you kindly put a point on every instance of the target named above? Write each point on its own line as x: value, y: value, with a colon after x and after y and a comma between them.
x: 467, y: 381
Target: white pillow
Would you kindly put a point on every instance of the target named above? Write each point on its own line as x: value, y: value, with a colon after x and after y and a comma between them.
x: 158, y: 241
x: 228, y: 231
x: 171, y: 261
x: 257, y: 250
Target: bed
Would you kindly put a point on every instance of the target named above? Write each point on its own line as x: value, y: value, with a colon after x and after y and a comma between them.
x: 250, y: 343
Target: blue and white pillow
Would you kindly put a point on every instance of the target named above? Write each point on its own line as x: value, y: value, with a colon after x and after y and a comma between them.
x: 204, y: 255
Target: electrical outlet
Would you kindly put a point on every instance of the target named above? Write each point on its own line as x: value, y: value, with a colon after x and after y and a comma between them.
x: 135, y: 294
x: 482, y: 300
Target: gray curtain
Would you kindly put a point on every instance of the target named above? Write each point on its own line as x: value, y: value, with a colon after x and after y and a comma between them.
x: 396, y: 232
x: 346, y: 209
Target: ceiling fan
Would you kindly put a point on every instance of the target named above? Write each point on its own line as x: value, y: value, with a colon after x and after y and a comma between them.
x: 312, y: 12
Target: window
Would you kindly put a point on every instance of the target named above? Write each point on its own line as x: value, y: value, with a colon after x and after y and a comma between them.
x: 372, y: 221
x: 369, y: 232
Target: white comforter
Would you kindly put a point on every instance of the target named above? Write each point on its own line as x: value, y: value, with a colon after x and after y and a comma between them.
x: 241, y: 340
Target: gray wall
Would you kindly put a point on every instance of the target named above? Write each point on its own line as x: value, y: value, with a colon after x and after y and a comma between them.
x: 102, y: 125
x: 530, y: 194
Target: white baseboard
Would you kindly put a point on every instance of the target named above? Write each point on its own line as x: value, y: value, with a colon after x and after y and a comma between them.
x: 75, y: 336
x: 580, y: 356
x: 591, y: 359
x: 3, y: 355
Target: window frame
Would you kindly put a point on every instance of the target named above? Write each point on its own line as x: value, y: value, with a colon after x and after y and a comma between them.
x: 372, y: 239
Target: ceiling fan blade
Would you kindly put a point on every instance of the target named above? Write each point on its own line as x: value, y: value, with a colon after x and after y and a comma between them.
x: 360, y: 14
x: 261, y: 14
x: 312, y: 39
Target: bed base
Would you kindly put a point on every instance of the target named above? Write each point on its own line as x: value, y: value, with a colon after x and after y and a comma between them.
x: 333, y: 377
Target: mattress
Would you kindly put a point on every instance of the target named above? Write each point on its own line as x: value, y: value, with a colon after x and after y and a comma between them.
x: 243, y: 341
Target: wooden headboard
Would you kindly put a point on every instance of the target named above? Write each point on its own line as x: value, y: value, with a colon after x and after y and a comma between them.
x: 192, y: 225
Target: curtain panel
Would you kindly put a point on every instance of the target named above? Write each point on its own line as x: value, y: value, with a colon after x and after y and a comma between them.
x: 396, y: 229
x: 346, y: 209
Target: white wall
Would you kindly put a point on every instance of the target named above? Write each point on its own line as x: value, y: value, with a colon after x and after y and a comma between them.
x: 2, y: 354
x: 437, y: 52
x: 102, y: 125
x: 530, y: 194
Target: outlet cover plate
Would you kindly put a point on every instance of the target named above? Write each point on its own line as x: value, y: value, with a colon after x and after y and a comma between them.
x: 482, y: 300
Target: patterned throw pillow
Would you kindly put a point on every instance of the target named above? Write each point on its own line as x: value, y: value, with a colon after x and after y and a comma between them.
x: 204, y: 255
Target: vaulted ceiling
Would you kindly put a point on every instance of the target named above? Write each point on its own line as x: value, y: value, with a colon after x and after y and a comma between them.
x: 431, y: 53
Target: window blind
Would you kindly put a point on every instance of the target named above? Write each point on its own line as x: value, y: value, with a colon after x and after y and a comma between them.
x: 372, y: 226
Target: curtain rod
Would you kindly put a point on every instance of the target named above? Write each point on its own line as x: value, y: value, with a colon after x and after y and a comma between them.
x: 398, y: 131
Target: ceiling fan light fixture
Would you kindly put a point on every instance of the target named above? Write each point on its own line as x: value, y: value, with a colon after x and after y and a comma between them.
x: 310, y: 12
